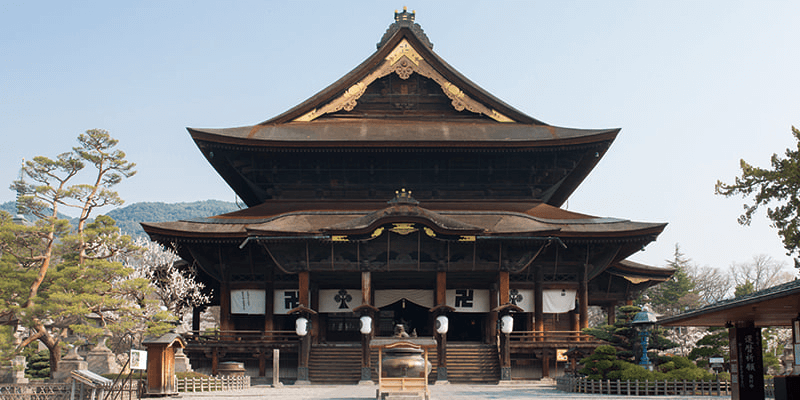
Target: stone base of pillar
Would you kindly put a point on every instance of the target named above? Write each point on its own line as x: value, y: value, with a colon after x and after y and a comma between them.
x: 366, y: 374
x: 302, y: 376
x: 505, y: 374
x: 441, y: 376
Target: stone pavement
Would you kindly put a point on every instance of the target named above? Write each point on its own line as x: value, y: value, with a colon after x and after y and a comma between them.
x: 438, y: 392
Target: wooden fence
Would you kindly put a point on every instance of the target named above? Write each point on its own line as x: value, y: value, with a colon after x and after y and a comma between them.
x: 644, y: 388
x: 652, y: 388
x: 212, y: 383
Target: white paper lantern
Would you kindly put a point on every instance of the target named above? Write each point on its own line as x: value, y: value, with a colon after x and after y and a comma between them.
x: 366, y: 325
x: 301, y: 326
x: 507, y: 325
x: 442, y: 324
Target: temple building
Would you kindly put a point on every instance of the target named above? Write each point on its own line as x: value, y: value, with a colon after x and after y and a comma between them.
x: 404, y: 196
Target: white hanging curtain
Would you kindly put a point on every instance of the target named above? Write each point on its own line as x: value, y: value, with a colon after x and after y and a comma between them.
x: 338, y: 300
x: 419, y: 297
x: 523, y: 298
x: 557, y: 301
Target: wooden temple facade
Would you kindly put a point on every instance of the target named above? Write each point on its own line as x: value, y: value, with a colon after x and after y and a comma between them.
x: 404, y: 192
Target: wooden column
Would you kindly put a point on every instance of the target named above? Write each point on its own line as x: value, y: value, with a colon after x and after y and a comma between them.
x: 303, y: 287
x: 196, y: 312
x: 583, y: 299
x: 441, y: 340
x: 573, y: 323
x: 225, y: 323
x: 366, y: 287
x: 491, y: 326
x: 366, y: 298
x: 305, y: 341
x: 505, y: 345
x: 611, y: 312
x: 503, y: 285
x: 545, y: 364
x: 269, y: 302
x: 538, y: 302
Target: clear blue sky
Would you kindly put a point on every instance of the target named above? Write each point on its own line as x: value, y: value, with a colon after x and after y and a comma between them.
x: 694, y: 85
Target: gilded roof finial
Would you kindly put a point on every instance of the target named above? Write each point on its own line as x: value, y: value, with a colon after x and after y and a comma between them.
x: 404, y: 16
x: 403, y: 197
x: 405, y: 19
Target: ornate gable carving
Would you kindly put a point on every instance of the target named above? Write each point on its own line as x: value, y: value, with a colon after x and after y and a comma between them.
x: 404, y: 60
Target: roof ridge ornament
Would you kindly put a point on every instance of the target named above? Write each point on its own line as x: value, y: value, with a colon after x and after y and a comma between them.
x: 405, y: 19
x: 403, y: 197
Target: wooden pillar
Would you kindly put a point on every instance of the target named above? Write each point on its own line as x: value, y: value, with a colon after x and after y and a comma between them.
x: 441, y: 340
x: 538, y: 302
x: 505, y: 357
x: 503, y: 284
x: 262, y: 364
x: 545, y: 364
x: 269, y: 303
x: 366, y: 298
x: 303, y: 287
x: 196, y: 313
x: 505, y: 345
x: 305, y: 341
x: 611, y: 311
x: 491, y: 326
x: 583, y: 299
x: 225, y: 323
x: 573, y: 323
x: 366, y: 287
x: 214, y: 362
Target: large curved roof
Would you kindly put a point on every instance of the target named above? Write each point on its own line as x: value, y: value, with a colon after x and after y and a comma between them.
x: 331, y: 218
x: 404, y: 96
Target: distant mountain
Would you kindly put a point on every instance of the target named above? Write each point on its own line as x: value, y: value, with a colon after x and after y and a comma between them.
x: 129, y: 217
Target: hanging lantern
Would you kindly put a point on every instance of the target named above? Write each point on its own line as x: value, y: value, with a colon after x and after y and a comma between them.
x: 366, y: 325
x: 507, y: 325
x: 301, y: 326
x: 442, y: 324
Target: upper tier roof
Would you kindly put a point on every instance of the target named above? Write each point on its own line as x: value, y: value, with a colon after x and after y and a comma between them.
x: 403, y: 96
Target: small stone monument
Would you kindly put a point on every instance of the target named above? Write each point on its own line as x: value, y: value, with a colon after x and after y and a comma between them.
x: 18, y: 365
x: 72, y: 362
x: 182, y: 363
x: 101, y: 360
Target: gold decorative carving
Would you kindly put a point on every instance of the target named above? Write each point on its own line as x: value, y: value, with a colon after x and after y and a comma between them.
x: 404, y: 61
x: 404, y: 49
x: 377, y: 232
x: 466, y: 239
x: 429, y: 232
x: 339, y: 238
x: 403, y: 228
